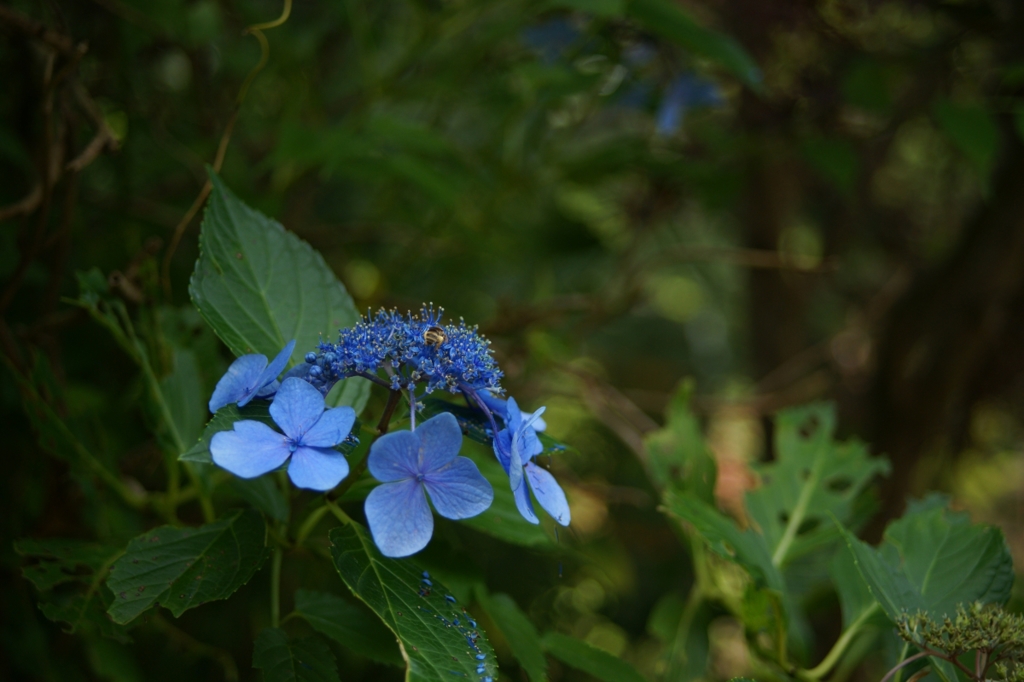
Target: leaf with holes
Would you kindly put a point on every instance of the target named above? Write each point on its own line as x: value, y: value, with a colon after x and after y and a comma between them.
x: 349, y: 625
x: 813, y: 480
x: 181, y: 568
x: 439, y: 640
x: 297, y: 660
x: 259, y: 286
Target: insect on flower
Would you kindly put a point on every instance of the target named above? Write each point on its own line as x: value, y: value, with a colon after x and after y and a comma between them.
x: 435, y: 336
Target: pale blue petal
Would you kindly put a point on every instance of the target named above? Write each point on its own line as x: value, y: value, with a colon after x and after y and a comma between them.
x: 250, y: 450
x: 513, y: 417
x: 440, y: 441
x: 299, y: 371
x: 515, y: 466
x: 239, y: 382
x: 502, y: 448
x: 333, y: 427
x: 269, y: 390
x: 296, y: 407
x: 317, y: 468
x: 458, y: 490
x: 277, y: 364
x: 399, y: 517
x: 393, y: 456
x: 495, y: 404
x: 549, y: 494
x: 523, y: 503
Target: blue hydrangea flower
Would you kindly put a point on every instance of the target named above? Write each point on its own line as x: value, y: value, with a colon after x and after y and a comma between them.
x: 515, y: 446
x: 499, y: 406
x: 248, y: 377
x: 414, y: 348
x: 310, y: 433
x: 411, y: 464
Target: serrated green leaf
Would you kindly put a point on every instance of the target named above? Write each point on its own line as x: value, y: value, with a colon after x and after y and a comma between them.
x: 855, y: 598
x: 263, y: 494
x: 84, y: 611
x: 299, y: 660
x: 933, y: 559
x: 259, y: 286
x: 724, y: 537
x: 436, y: 650
x: 578, y: 654
x: 182, y: 390
x: 349, y: 625
x: 522, y: 636
x: 671, y: 21
x: 181, y: 568
x: 813, y: 481
x: 61, y: 561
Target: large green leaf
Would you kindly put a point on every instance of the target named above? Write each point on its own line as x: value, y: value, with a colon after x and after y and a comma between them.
x: 349, y: 625
x: 591, y: 660
x: 502, y: 519
x: 182, y: 390
x: 813, y: 480
x: 299, y: 660
x: 435, y: 646
x: 521, y: 635
x: 671, y: 21
x: 933, y: 559
x: 260, y: 286
x: 724, y: 537
x: 262, y: 493
x: 181, y: 568
x: 57, y: 561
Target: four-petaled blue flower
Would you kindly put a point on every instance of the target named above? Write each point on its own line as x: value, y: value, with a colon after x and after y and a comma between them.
x: 516, y: 445
x: 247, y: 377
x: 411, y: 464
x: 310, y: 434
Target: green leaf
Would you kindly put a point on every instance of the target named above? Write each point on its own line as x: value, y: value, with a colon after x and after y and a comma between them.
x: 299, y: 660
x: 671, y: 21
x: 260, y: 286
x: 601, y: 8
x: 933, y: 559
x: 225, y: 420
x: 435, y: 649
x: 59, y: 561
x: 813, y: 481
x: 973, y: 131
x: 591, y: 660
x: 349, y: 625
x: 181, y: 568
x: 723, y: 536
x: 679, y: 457
x: 183, y: 392
x: 522, y: 637
x: 263, y: 494
x: 855, y: 598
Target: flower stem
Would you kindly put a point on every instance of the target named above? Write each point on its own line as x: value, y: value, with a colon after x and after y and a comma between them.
x: 840, y: 647
x: 275, y: 587
x: 310, y: 523
x: 394, y: 397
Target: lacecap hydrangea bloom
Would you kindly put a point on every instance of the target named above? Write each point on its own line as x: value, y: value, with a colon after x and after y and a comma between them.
x: 411, y: 465
x: 413, y: 355
x: 252, y: 448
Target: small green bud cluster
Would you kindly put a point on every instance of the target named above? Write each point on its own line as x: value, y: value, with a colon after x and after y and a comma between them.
x: 996, y: 637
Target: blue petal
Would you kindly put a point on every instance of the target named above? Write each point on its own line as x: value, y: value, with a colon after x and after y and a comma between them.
x: 239, y: 382
x: 269, y: 390
x: 494, y: 403
x: 399, y: 518
x: 393, y: 456
x: 523, y: 504
x: 317, y: 468
x: 549, y: 494
x: 502, y: 448
x: 296, y: 407
x: 333, y: 427
x: 440, y: 441
x: 250, y: 450
x: 459, y: 490
x: 277, y: 364
x: 515, y: 460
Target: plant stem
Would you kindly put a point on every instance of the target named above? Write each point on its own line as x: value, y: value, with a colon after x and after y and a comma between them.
x: 839, y: 648
x: 275, y: 587
x: 905, y: 662
x: 310, y: 523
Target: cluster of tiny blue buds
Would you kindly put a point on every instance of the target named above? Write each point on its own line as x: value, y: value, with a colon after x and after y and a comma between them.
x: 410, y: 349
